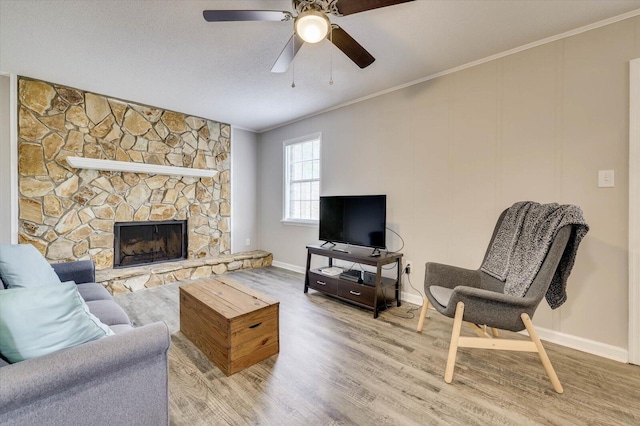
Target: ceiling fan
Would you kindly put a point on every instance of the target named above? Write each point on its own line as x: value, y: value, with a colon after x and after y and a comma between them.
x: 311, y: 25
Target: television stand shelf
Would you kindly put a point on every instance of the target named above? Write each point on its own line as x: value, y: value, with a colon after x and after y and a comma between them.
x: 372, y: 297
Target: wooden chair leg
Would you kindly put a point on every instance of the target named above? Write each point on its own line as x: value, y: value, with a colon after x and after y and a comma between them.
x: 546, y: 362
x: 494, y: 331
x: 423, y: 314
x: 481, y: 331
x: 453, y: 346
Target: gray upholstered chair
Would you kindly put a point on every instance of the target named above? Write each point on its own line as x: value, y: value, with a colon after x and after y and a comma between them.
x: 477, y: 299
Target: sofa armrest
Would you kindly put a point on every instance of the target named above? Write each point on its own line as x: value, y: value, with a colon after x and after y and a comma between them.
x: 124, y: 366
x: 80, y: 271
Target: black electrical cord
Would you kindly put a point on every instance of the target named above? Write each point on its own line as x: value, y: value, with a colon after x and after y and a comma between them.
x: 388, y: 252
x: 401, y: 239
x: 396, y: 251
x: 411, y: 311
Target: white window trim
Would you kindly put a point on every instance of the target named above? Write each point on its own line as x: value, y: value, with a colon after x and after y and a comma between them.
x: 301, y: 222
x: 285, y: 169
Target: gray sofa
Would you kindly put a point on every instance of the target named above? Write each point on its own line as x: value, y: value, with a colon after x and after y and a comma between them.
x: 117, y: 380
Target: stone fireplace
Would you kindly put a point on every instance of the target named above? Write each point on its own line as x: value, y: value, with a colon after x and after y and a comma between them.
x: 70, y: 213
x: 142, y: 243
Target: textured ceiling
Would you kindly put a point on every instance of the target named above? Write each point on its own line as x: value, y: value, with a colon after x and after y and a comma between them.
x: 164, y: 54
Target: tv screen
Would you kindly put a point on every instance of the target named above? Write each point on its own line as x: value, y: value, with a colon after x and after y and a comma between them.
x: 355, y: 219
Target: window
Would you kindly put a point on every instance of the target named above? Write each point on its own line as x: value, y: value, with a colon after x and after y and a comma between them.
x: 302, y: 180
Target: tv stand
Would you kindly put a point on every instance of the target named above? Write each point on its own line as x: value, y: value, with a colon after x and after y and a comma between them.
x: 374, y: 297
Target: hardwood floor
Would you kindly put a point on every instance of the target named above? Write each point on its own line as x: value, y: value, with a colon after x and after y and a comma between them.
x: 339, y: 366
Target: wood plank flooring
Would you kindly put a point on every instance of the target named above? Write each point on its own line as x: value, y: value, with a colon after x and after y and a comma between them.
x: 339, y: 366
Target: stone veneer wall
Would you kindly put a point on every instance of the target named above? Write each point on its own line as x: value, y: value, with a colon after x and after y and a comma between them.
x: 68, y: 214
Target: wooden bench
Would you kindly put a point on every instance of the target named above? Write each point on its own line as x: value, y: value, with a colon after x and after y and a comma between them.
x: 234, y: 326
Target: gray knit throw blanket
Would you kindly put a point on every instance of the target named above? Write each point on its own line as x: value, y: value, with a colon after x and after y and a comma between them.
x: 522, y: 242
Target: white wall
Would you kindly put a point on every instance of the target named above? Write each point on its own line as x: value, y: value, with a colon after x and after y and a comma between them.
x: 5, y: 160
x: 453, y: 152
x: 244, y: 198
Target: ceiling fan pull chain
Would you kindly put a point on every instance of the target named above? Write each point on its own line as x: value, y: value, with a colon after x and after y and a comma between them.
x: 331, y: 57
x: 293, y: 66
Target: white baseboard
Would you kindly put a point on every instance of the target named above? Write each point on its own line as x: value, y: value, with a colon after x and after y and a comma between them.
x: 412, y: 298
x: 604, y: 350
x: 574, y: 342
x: 585, y: 345
x: 288, y: 266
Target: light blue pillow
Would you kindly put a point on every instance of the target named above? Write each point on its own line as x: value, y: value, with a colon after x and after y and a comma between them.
x: 22, y: 265
x: 36, y: 321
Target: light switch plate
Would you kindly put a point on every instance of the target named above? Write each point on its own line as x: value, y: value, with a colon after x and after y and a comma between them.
x: 606, y: 179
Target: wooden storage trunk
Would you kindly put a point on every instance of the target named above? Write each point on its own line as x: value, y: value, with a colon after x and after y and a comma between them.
x: 234, y: 326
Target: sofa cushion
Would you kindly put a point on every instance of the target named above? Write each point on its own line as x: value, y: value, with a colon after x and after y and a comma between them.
x: 93, y: 291
x: 22, y: 265
x: 109, y: 312
x: 36, y: 321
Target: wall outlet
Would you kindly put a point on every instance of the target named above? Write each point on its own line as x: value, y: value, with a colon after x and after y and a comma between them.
x: 606, y: 179
x: 408, y: 266
x: 247, y: 242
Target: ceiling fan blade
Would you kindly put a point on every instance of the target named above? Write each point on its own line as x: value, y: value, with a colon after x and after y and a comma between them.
x: 351, y: 48
x: 348, y: 7
x: 288, y: 53
x: 246, y: 15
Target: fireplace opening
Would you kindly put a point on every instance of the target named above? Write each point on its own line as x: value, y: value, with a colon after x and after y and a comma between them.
x: 139, y: 243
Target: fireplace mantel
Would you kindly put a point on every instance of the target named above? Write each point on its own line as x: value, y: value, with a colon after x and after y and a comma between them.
x: 129, y: 166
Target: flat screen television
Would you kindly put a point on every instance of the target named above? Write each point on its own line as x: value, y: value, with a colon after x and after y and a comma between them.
x: 354, y: 219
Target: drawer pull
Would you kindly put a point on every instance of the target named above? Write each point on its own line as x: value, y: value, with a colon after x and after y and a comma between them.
x: 255, y: 325
x: 321, y: 282
x: 355, y: 293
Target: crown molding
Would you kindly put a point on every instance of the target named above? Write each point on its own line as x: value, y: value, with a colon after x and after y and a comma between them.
x: 528, y: 46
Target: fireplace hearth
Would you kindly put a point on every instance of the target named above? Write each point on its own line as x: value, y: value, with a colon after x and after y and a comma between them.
x: 139, y: 243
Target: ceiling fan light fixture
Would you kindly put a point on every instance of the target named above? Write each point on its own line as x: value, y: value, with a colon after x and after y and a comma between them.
x: 312, y: 26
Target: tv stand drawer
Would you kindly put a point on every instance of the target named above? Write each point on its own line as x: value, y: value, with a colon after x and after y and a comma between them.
x: 356, y: 292
x: 323, y: 283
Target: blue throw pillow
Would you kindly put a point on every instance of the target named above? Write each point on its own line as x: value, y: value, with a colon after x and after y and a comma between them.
x: 22, y: 265
x: 36, y: 321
